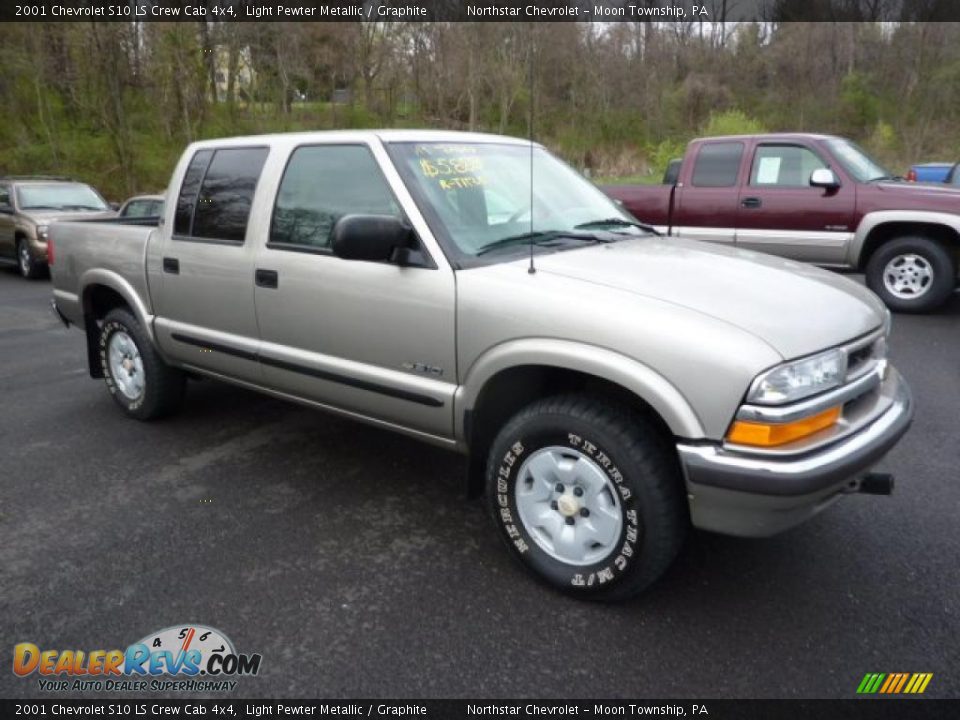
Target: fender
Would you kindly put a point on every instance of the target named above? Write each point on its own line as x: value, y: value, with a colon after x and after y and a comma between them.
x: 636, y: 377
x: 873, y: 220
x: 114, y: 281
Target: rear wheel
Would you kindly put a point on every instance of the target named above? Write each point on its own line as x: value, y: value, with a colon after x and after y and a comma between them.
x: 136, y: 376
x: 587, y: 495
x: 912, y: 274
x: 29, y: 267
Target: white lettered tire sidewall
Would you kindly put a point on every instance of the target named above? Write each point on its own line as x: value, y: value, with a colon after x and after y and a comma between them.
x: 163, y: 386
x: 108, y: 329
x: 635, y: 454
x: 574, y: 578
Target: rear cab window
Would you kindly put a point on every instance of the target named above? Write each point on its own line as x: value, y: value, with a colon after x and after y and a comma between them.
x: 717, y: 164
x: 216, y: 194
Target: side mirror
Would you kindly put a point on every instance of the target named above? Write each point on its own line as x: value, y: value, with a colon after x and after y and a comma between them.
x: 114, y: 206
x: 824, y: 178
x: 6, y: 210
x: 375, y: 238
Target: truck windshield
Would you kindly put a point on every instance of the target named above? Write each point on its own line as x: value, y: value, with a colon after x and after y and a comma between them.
x: 59, y: 196
x: 855, y: 161
x: 494, y: 199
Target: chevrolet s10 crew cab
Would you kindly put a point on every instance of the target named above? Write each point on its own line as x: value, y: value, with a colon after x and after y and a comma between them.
x: 610, y: 386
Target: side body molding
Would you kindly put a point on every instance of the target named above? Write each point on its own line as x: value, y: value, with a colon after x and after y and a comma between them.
x: 639, y: 379
x: 873, y: 220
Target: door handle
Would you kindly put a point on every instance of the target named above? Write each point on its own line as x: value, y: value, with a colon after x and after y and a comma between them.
x: 171, y: 265
x: 751, y: 202
x: 266, y: 278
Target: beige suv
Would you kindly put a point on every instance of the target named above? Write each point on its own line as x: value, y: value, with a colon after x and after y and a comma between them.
x: 27, y: 207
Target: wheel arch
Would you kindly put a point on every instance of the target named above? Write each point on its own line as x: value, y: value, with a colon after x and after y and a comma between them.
x: 102, y: 292
x: 878, y: 228
x: 515, y: 374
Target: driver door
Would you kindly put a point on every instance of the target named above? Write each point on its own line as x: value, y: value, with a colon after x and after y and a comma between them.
x: 371, y: 338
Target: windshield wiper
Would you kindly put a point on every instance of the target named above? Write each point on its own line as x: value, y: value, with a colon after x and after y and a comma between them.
x: 621, y: 222
x: 42, y: 207
x: 539, y: 238
x: 881, y: 178
x: 80, y: 207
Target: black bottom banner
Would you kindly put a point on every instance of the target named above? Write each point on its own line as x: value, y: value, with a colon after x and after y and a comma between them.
x: 867, y: 709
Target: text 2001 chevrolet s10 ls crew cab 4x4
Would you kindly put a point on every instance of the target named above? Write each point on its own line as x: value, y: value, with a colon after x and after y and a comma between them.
x: 627, y: 386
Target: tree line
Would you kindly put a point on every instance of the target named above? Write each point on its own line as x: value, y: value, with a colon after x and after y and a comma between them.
x: 114, y: 103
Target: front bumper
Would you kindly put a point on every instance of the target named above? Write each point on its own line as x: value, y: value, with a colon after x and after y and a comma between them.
x: 753, y: 496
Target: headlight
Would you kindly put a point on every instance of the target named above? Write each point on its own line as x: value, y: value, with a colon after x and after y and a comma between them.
x: 799, y: 379
x: 42, y: 232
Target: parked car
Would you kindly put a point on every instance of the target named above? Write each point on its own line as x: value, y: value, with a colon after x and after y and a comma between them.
x: 140, y: 206
x: 609, y: 385
x: 28, y: 205
x: 933, y: 172
x: 815, y: 198
x: 953, y: 177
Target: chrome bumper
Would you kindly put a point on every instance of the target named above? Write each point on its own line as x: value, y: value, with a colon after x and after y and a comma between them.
x: 739, y: 494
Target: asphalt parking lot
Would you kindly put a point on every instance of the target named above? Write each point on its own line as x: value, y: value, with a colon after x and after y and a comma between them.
x: 349, y: 558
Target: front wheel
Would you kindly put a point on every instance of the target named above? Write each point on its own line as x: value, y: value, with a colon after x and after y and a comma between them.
x: 587, y: 495
x: 912, y: 274
x: 29, y: 267
x: 136, y: 376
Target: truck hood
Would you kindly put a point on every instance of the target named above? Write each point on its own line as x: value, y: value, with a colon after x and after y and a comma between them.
x: 796, y: 309
x: 934, y: 196
x: 45, y: 217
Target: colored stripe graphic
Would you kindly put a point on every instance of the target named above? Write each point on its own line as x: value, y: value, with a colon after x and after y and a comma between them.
x: 894, y: 683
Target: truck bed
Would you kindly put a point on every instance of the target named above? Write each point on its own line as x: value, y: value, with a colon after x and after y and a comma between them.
x: 83, y: 248
x: 648, y: 203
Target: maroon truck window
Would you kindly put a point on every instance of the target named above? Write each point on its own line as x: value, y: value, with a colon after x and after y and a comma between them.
x: 717, y: 164
x: 783, y: 166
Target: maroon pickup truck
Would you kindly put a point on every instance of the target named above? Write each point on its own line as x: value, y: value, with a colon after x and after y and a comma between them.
x: 817, y: 199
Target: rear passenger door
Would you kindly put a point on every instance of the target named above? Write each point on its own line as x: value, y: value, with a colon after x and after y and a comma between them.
x: 204, y: 305
x: 372, y: 338
x: 706, y: 200
x: 782, y: 214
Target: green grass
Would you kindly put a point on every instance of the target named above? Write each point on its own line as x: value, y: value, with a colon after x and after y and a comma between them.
x: 628, y: 180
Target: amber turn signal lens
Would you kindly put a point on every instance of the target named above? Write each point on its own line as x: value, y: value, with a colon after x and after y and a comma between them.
x: 772, y: 434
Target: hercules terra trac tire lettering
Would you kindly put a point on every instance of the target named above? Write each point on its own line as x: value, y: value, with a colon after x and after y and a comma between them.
x: 587, y: 495
x: 135, y: 374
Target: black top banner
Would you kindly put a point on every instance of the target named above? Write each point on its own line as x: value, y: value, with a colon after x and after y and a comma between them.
x: 480, y: 10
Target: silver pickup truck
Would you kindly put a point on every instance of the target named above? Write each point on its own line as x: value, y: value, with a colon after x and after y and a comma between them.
x: 610, y: 387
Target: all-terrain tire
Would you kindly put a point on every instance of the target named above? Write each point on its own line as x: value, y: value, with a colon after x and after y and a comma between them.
x: 135, y: 374
x: 550, y: 459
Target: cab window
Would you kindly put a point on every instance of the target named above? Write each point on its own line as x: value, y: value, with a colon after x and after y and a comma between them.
x: 717, y: 164
x: 217, y: 192
x: 321, y: 184
x: 783, y: 166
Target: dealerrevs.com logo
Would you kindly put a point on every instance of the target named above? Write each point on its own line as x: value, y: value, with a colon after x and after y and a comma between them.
x: 185, y: 658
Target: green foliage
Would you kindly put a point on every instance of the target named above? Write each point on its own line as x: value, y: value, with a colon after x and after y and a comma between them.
x: 661, y: 155
x: 115, y: 106
x: 858, y: 104
x: 732, y: 122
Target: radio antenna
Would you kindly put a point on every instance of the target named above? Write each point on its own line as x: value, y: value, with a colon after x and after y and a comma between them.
x: 531, y: 269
